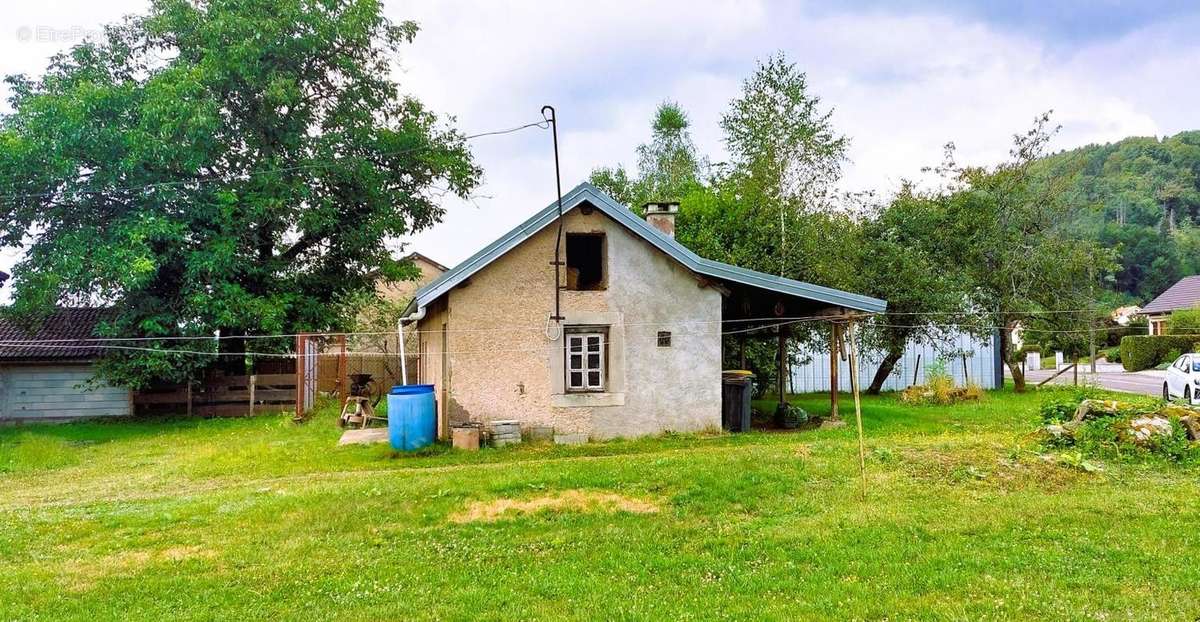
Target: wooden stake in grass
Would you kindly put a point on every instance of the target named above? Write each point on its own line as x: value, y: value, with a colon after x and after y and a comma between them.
x: 862, y: 450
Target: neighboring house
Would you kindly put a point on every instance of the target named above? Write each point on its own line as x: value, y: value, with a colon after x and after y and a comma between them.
x: 967, y: 359
x: 639, y: 347
x: 1123, y: 316
x: 1183, y: 295
x: 44, y: 376
x: 401, y: 292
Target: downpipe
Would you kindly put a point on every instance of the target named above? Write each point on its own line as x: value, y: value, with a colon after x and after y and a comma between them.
x: 415, y: 316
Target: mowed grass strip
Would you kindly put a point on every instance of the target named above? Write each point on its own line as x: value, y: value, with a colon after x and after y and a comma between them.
x: 261, y: 519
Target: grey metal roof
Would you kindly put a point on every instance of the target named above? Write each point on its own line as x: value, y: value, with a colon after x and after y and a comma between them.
x: 707, y: 267
x: 1183, y: 295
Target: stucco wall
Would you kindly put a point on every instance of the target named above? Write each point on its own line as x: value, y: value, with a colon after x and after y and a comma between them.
x: 502, y: 364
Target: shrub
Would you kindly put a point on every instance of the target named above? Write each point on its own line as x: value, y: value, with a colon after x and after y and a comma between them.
x: 1059, y: 408
x: 939, y: 388
x: 937, y: 370
x: 972, y: 392
x: 1140, y: 352
x: 1184, y: 322
x: 1029, y: 347
x: 1113, y: 355
x: 790, y: 416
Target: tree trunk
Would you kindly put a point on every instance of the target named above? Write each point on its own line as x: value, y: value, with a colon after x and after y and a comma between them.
x: 229, y: 362
x: 1006, y: 355
x: 886, y: 367
x: 1018, y: 376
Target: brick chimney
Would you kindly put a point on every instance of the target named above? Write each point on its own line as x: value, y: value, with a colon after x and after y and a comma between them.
x: 662, y: 216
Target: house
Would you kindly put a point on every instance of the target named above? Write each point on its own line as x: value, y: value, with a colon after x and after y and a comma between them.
x: 636, y: 347
x: 401, y: 292
x: 1123, y: 316
x: 45, y: 375
x: 1183, y: 295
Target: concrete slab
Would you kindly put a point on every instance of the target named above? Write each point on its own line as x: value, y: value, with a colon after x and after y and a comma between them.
x: 369, y: 436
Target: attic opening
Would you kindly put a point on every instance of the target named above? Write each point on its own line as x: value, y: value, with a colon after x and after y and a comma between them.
x: 585, y: 261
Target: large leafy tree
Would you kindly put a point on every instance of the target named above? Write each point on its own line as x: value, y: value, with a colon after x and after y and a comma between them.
x: 1012, y: 236
x: 668, y: 166
x: 785, y: 161
x: 905, y: 261
x: 771, y: 207
x: 220, y: 165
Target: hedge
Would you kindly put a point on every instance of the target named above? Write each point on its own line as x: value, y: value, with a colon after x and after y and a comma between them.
x: 1140, y: 352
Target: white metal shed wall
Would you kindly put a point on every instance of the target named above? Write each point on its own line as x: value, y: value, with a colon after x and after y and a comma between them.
x: 48, y: 392
x: 980, y: 366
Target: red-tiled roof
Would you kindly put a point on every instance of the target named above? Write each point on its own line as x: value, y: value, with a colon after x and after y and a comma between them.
x: 61, y: 337
x: 1183, y: 295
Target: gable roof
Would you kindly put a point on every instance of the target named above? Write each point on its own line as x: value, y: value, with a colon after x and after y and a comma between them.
x: 415, y: 256
x: 61, y: 337
x: 586, y: 192
x: 1183, y: 295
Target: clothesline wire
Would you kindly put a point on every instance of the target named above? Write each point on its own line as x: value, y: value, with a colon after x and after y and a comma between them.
x: 871, y: 320
x: 332, y: 353
x: 393, y: 332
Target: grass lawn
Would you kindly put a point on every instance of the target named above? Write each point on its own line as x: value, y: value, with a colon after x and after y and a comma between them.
x: 257, y: 518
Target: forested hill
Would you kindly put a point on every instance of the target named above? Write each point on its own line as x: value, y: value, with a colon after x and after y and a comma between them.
x: 1142, y: 197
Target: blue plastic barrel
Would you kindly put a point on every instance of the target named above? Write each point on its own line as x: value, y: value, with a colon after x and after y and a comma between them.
x: 412, y: 416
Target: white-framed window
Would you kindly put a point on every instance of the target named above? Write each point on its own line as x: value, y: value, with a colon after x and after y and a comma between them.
x: 586, y: 359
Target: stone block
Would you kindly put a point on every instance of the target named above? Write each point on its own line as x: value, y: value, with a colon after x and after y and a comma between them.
x: 540, y: 433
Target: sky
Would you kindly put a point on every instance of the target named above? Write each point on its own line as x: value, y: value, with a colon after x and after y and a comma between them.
x: 902, y: 77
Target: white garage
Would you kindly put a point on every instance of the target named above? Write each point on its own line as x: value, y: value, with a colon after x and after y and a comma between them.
x: 47, y: 375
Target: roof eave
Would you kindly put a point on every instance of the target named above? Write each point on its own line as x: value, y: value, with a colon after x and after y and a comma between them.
x: 670, y: 246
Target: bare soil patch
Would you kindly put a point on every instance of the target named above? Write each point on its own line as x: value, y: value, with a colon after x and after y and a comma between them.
x: 83, y: 573
x: 567, y: 501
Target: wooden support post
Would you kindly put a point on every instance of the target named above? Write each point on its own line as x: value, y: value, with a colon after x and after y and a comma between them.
x: 253, y: 382
x: 835, y: 354
x: 189, y: 397
x: 781, y: 386
x: 343, y: 370
x: 966, y: 374
x: 300, y: 345
x: 862, y: 449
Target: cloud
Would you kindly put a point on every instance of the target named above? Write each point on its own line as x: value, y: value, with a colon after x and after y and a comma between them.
x: 901, y: 83
x: 901, y: 86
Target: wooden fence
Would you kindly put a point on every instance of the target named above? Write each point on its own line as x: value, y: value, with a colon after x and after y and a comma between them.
x: 220, y: 396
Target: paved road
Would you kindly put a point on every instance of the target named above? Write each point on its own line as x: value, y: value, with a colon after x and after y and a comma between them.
x: 1109, y: 376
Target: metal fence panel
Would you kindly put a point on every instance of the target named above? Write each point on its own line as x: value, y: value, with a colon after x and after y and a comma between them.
x: 980, y: 365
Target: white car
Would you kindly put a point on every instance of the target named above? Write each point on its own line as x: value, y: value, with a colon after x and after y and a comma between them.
x: 1183, y: 379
